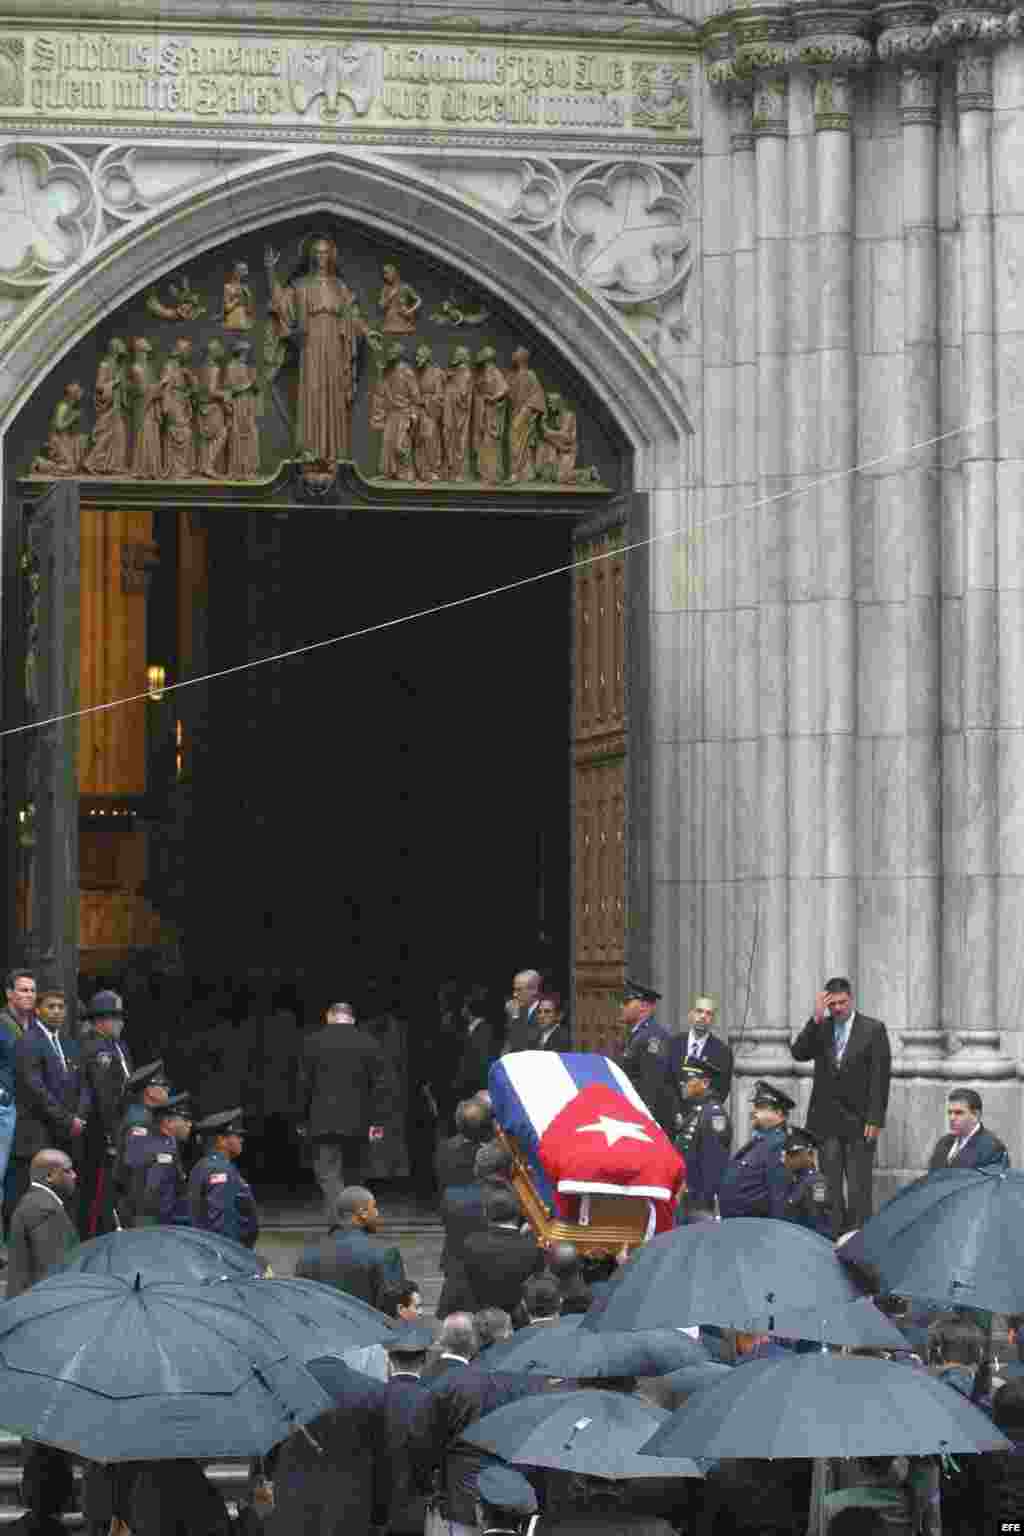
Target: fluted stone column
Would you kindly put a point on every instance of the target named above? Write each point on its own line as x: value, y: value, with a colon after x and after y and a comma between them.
x: 772, y: 233
x: 970, y: 767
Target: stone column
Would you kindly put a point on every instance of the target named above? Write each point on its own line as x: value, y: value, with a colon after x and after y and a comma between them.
x: 971, y: 805
x: 770, y: 125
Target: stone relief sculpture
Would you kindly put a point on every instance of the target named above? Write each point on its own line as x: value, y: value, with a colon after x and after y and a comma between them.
x: 177, y: 397
x: 399, y: 303
x: 240, y: 390
x: 526, y: 406
x: 348, y: 71
x: 108, y: 452
x: 394, y: 413
x: 239, y: 304
x: 556, y: 453
x: 65, y: 446
x: 320, y: 313
x: 429, y: 452
x: 145, y: 397
x: 457, y: 415
x: 185, y: 302
x: 453, y: 311
x: 490, y: 396
x: 211, y: 414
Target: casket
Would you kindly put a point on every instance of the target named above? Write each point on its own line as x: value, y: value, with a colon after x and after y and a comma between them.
x: 590, y: 1164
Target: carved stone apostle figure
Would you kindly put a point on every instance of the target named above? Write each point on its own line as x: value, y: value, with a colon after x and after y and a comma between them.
x: 457, y: 416
x: 556, y: 455
x: 65, y: 445
x: 239, y: 305
x: 394, y: 413
x: 429, y: 454
x: 243, y: 435
x: 490, y: 395
x: 399, y: 303
x: 108, y: 450
x: 526, y: 406
x: 320, y: 313
x: 147, y: 413
x: 212, y: 416
x: 177, y: 393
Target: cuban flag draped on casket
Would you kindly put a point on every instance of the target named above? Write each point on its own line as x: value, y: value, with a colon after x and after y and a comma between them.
x: 585, y: 1130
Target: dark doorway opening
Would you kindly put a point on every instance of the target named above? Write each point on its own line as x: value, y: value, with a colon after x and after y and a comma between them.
x: 364, y: 820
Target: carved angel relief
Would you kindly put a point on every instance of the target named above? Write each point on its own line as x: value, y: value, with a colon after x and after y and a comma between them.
x: 349, y: 72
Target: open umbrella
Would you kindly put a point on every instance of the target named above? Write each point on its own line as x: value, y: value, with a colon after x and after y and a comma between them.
x: 308, y: 1318
x: 591, y: 1433
x: 565, y: 1349
x: 163, y: 1253
x: 120, y: 1371
x: 855, y: 1324
x: 955, y: 1237
x: 755, y: 1273
x: 825, y: 1405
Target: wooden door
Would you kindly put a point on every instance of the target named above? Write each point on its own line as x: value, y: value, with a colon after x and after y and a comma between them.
x: 600, y: 737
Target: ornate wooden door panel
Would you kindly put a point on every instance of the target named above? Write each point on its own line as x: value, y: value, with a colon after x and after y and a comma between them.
x: 599, y: 770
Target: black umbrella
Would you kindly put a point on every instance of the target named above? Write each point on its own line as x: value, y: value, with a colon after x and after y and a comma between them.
x: 117, y: 1371
x: 563, y: 1348
x: 955, y: 1237
x: 856, y: 1325
x: 753, y: 1273
x: 826, y: 1405
x: 591, y: 1433
x: 308, y: 1318
x: 163, y: 1253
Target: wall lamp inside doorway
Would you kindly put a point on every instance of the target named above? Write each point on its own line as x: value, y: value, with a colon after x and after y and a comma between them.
x: 156, y: 680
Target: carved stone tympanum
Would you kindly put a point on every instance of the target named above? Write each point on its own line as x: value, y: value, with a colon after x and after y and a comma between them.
x: 108, y: 451
x: 394, y: 413
x: 65, y: 445
x: 211, y: 418
x: 239, y: 304
x: 556, y: 455
x: 429, y: 455
x: 399, y: 303
x: 526, y: 404
x: 177, y: 394
x: 184, y: 304
x: 147, y: 413
x: 240, y: 388
x: 457, y: 415
x: 490, y: 395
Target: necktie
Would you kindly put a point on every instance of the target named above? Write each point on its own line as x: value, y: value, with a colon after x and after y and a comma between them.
x: 120, y: 1057
x: 954, y: 1150
x: 698, y: 1047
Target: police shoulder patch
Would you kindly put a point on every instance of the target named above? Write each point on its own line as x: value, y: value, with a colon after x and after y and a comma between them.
x: 819, y: 1193
x: 164, y: 1157
x: 718, y: 1122
x: 103, y: 1058
x: 218, y: 1178
x: 138, y: 1130
x: 654, y: 1046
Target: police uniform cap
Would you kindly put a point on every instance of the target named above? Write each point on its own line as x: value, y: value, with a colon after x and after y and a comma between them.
x: 798, y: 1139
x: 767, y: 1093
x: 105, y: 1005
x: 152, y: 1075
x: 177, y: 1104
x: 633, y: 991
x: 228, y: 1122
x: 506, y: 1489
x: 409, y: 1339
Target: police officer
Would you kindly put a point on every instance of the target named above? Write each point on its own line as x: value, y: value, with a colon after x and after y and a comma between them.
x: 807, y: 1201
x: 645, y: 1055
x: 145, y: 1091
x: 220, y: 1199
x: 505, y: 1501
x: 162, y: 1184
x: 754, y: 1182
x: 104, y: 1066
x: 704, y: 1136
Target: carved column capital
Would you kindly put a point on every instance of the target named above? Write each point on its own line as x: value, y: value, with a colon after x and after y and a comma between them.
x: 833, y: 102
x: 986, y: 24
x: 974, y: 79
x: 905, y: 30
x: 919, y: 94
x: 771, y: 107
x: 741, y: 117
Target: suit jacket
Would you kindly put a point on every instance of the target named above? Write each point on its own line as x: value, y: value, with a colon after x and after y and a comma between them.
x: 982, y: 1151
x: 478, y: 1051
x: 521, y: 1032
x: 41, y: 1238
x: 560, y: 1039
x: 345, y: 1082
x: 459, y: 1397
x: 352, y: 1261
x: 46, y: 1093
x: 496, y: 1263
x: 408, y: 1408
x: 716, y: 1053
x: 338, y: 1482
x: 454, y: 1161
x: 856, y: 1093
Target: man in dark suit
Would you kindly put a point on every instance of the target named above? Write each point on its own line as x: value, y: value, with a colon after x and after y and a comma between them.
x: 478, y: 1048
x: 849, y: 1097
x: 455, y: 1158
x: 968, y: 1144
x: 346, y: 1095
x: 42, y: 1235
x: 700, y: 1046
x: 554, y: 1029
x: 104, y: 1070
x: 497, y: 1261
x: 521, y: 1027
x: 46, y: 1087
x: 408, y: 1409
x: 457, y: 1346
x: 564, y: 1264
x: 348, y: 1257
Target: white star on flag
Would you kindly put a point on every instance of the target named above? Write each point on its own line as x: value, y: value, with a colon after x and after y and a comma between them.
x: 616, y: 1130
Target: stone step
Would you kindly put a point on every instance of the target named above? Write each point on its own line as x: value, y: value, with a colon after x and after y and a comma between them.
x: 230, y: 1477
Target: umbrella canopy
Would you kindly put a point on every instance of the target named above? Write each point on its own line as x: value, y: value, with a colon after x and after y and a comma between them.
x: 565, y: 1349
x: 856, y: 1324
x: 826, y: 1405
x: 955, y: 1237
x: 128, y: 1372
x: 592, y: 1433
x: 308, y: 1318
x: 754, y: 1273
x: 163, y: 1253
